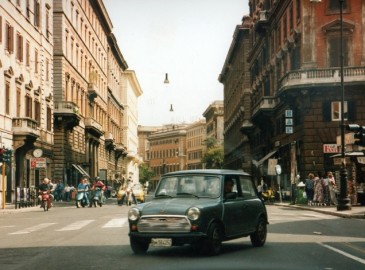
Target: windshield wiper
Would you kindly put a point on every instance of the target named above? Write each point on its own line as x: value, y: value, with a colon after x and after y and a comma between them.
x: 187, y: 193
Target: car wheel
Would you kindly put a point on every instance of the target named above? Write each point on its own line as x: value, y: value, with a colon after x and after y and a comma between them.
x: 213, y: 243
x: 138, y: 246
x: 258, y: 238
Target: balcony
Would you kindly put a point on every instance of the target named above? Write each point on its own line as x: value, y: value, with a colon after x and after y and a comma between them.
x: 120, y: 150
x: 92, y: 90
x: 266, y: 104
x: 109, y: 141
x: 25, y: 130
x: 320, y: 77
x: 66, y: 113
x: 93, y: 127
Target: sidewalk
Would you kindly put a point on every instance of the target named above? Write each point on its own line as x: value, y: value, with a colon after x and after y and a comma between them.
x: 10, y: 208
x: 355, y: 212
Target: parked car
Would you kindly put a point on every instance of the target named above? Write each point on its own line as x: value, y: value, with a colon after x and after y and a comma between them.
x: 194, y: 207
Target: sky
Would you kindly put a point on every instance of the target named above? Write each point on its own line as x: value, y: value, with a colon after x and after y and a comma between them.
x: 187, y: 39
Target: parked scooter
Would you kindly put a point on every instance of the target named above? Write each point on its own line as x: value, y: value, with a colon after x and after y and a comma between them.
x: 46, y: 200
x: 98, y: 197
x: 81, y: 200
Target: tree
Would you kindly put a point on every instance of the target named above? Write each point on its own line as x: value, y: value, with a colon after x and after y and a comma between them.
x: 145, y: 173
x: 214, y: 156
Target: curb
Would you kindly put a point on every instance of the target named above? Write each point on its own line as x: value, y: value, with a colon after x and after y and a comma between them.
x: 327, y: 212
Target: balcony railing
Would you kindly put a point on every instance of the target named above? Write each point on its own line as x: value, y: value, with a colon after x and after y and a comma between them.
x: 266, y: 103
x: 25, y: 126
x: 93, y: 126
x: 330, y: 76
x: 66, y: 107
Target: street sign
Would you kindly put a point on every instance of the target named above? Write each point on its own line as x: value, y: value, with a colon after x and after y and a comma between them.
x: 38, y: 163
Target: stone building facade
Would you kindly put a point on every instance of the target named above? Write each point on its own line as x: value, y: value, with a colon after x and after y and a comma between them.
x: 26, y: 104
x: 294, y: 67
x: 195, y: 148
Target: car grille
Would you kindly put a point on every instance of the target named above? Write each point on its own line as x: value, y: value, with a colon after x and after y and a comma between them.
x: 163, y: 224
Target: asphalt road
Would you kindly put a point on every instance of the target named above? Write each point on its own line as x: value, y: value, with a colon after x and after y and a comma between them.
x: 97, y: 238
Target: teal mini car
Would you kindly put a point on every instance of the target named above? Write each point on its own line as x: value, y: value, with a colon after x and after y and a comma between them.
x: 202, y: 208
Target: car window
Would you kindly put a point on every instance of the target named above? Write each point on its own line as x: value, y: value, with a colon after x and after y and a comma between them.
x: 197, y: 185
x: 247, y: 187
x: 230, y: 185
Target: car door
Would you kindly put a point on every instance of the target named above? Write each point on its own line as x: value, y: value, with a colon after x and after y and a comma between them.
x: 234, y: 209
x: 251, y: 204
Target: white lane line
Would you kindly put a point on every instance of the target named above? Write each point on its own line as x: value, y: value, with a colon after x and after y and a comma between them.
x: 76, y: 225
x: 348, y: 255
x: 116, y: 223
x: 34, y: 228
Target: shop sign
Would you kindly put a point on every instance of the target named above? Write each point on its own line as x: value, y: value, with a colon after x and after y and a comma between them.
x: 330, y: 148
x: 38, y: 163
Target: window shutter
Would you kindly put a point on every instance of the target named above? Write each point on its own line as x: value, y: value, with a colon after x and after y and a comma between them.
x: 351, y: 109
x: 326, y: 111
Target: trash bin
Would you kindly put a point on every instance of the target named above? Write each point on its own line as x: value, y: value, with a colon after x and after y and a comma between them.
x: 301, y: 198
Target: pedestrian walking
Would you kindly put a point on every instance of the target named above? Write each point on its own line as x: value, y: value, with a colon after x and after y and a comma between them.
x: 318, y: 190
x: 67, y: 190
x: 332, y: 188
x: 309, y: 188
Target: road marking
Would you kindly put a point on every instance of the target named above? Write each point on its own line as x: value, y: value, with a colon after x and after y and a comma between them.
x: 34, y: 228
x: 76, y: 225
x: 116, y: 223
x: 343, y: 253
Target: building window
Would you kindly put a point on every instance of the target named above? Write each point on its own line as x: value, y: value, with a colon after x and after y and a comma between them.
x: 27, y: 54
x: 297, y: 4
x: 49, y: 119
x: 18, y: 101
x: 19, y: 52
x: 36, y: 61
x: 36, y: 13
x: 334, y: 52
x: 336, y: 111
x: 47, y: 69
x: 9, y: 46
x: 334, y: 5
x: 7, y: 98
x: 1, y: 29
x: 37, y: 112
x: 28, y: 107
x: 28, y: 10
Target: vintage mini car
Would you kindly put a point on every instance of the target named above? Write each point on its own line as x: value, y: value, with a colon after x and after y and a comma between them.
x: 194, y: 207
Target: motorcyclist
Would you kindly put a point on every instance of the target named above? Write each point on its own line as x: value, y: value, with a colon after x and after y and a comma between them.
x: 84, y: 186
x: 47, y: 187
x: 99, y: 184
x: 129, y: 188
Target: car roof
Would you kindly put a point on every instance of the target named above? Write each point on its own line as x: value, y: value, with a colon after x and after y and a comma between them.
x: 209, y: 171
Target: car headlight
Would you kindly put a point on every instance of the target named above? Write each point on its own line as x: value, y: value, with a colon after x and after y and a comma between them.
x: 193, y: 213
x: 133, y: 214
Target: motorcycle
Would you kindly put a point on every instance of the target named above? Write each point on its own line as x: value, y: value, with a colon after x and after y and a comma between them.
x: 81, y: 200
x: 46, y: 200
x: 97, y: 197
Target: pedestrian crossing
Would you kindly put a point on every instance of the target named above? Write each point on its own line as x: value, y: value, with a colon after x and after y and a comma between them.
x: 74, y: 226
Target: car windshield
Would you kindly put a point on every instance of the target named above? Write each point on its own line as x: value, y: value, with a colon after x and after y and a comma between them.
x: 196, y: 185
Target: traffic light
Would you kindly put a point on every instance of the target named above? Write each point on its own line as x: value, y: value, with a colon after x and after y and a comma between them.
x: 7, y: 155
x: 359, y: 133
x: 2, y: 151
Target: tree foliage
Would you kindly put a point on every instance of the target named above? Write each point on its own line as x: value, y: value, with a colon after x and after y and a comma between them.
x: 145, y: 173
x: 214, y: 156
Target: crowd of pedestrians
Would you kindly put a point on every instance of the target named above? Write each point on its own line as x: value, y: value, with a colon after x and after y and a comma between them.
x: 321, y: 190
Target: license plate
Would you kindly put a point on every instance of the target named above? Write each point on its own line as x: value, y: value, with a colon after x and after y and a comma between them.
x: 161, y: 242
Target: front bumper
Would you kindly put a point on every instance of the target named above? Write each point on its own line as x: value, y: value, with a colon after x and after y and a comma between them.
x: 177, y: 238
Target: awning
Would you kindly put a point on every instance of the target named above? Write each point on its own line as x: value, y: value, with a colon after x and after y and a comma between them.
x: 350, y: 154
x: 266, y: 157
x: 81, y: 170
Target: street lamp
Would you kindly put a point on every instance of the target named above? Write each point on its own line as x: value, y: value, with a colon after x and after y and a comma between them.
x: 343, y: 200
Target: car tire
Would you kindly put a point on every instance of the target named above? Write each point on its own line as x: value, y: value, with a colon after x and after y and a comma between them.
x: 138, y: 246
x: 212, y: 245
x: 258, y: 238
